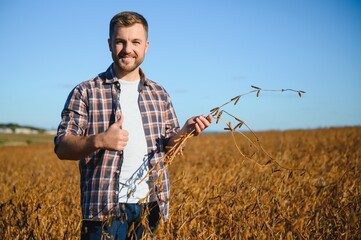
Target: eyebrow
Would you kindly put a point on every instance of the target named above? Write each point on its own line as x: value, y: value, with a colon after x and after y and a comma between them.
x: 122, y: 39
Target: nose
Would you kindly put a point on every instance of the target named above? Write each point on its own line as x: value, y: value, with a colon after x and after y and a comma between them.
x: 127, y: 48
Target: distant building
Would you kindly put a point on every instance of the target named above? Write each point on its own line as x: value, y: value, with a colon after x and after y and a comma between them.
x: 26, y: 131
x: 6, y: 130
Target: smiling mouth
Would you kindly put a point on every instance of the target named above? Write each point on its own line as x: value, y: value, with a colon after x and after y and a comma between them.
x: 126, y: 59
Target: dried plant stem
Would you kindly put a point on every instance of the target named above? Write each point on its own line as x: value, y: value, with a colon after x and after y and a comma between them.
x: 217, y: 112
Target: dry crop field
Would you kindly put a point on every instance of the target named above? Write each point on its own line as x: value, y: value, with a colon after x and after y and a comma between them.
x: 314, y: 192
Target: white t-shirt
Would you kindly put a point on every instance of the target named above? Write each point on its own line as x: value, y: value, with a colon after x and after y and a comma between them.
x: 135, y: 162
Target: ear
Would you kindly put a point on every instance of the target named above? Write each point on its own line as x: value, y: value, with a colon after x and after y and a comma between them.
x: 110, y: 44
x: 146, y: 46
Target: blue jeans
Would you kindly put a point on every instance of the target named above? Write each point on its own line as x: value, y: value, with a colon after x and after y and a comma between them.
x: 119, y: 227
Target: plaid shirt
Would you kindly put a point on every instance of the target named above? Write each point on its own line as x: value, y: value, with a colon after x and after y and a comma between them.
x: 90, y: 109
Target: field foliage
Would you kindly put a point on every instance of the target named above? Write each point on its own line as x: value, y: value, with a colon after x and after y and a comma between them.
x: 314, y: 192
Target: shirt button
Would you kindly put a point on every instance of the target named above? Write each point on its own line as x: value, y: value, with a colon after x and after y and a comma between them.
x: 116, y: 192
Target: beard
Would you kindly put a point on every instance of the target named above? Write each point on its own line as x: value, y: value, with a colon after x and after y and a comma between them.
x: 125, y: 66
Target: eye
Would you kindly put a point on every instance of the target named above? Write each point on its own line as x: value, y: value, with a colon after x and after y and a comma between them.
x: 136, y: 42
x: 118, y: 42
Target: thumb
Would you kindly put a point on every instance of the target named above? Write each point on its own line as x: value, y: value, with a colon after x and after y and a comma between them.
x: 120, y: 120
x: 209, y: 118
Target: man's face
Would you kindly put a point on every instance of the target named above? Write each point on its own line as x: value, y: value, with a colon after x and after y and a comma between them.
x: 128, y: 46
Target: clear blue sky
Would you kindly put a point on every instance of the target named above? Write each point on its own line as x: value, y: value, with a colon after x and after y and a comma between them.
x: 203, y: 52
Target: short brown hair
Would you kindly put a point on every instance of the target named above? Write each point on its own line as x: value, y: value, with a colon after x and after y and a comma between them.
x: 127, y: 19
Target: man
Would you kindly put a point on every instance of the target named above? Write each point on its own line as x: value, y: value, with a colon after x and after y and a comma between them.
x: 119, y: 124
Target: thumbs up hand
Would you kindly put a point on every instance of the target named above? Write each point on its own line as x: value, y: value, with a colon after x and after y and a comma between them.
x: 115, y: 138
